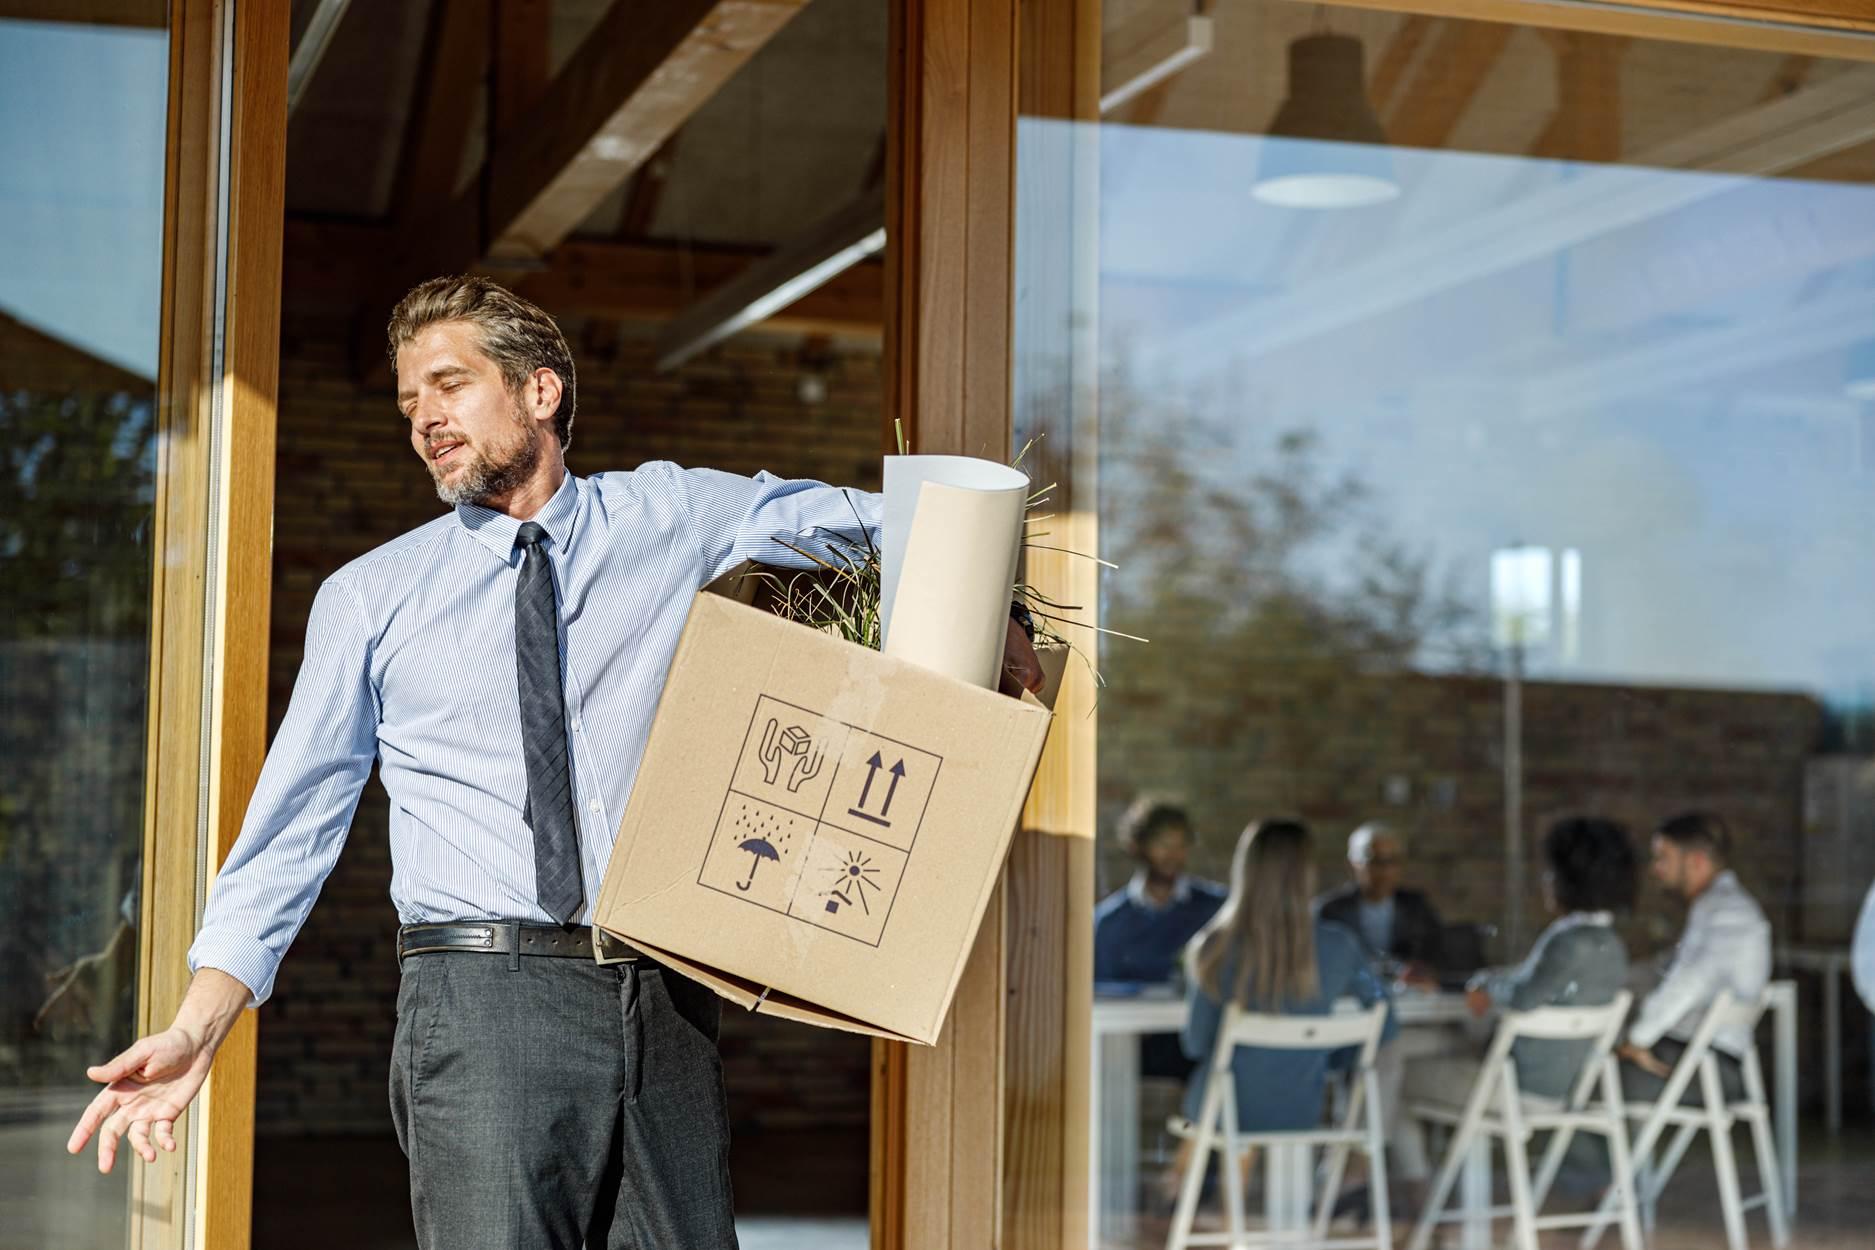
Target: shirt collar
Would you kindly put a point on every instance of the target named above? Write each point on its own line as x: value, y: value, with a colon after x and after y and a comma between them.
x: 1576, y: 919
x: 1136, y: 891
x: 496, y: 530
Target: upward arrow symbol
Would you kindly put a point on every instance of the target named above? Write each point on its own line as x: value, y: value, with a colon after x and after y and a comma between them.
x: 866, y: 790
x: 898, y: 775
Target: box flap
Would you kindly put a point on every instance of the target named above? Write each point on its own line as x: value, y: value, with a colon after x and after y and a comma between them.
x: 746, y: 994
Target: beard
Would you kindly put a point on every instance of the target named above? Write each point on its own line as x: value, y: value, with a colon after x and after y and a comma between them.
x: 484, y: 476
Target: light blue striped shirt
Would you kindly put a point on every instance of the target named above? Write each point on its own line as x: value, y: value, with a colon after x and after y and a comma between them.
x: 410, y: 661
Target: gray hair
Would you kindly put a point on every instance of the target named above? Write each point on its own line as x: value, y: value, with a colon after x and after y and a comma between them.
x: 516, y: 335
x: 1361, y: 841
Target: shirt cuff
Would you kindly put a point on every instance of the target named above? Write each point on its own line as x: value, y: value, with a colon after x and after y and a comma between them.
x: 246, y: 960
x: 1644, y: 1033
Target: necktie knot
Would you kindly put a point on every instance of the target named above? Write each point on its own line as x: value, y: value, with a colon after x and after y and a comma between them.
x: 530, y: 534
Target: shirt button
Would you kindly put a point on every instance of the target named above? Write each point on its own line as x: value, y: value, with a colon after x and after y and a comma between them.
x: 576, y: 724
x: 592, y: 805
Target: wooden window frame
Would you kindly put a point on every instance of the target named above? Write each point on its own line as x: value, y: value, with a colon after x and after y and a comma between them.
x: 218, y: 374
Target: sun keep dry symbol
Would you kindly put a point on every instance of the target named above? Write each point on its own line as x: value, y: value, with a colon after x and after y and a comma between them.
x: 873, y: 766
x: 794, y: 745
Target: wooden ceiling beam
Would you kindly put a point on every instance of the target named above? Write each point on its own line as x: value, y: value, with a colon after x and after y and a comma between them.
x: 643, y: 72
x: 521, y: 62
x: 1586, y: 125
x: 802, y: 265
x: 647, y: 192
x: 652, y: 283
x: 329, y: 263
x: 1791, y: 75
x: 1449, y: 77
x: 1402, y: 47
x: 310, y: 49
x: 455, y: 54
x: 645, y: 69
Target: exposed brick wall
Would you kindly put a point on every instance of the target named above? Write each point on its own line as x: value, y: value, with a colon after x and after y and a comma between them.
x: 1426, y: 754
x: 348, y: 481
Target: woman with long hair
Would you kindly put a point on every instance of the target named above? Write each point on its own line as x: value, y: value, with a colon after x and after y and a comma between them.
x: 1267, y: 952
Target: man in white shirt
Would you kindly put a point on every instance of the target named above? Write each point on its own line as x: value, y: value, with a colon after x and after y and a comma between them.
x: 1726, y: 946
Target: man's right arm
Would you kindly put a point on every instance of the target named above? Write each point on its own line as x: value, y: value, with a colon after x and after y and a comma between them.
x: 302, y: 806
x: 295, y: 828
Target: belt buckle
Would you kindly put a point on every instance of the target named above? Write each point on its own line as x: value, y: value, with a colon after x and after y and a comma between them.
x: 607, y: 949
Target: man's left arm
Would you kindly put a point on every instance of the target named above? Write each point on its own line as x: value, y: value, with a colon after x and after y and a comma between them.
x: 773, y: 520
x: 790, y: 523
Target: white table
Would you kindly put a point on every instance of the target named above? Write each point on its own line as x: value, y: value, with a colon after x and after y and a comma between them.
x: 1113, y: 1102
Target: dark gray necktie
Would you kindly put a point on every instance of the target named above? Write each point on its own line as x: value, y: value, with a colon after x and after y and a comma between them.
x: 543, y: 731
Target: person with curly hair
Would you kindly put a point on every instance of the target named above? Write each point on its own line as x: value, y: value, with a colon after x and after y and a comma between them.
x: 1579, y: 961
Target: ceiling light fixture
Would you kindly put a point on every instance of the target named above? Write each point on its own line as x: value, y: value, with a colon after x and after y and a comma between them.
x: 1325, y: 149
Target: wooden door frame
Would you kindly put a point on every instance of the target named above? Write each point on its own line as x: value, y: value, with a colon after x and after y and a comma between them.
x: 218, y: 374
x: 982, y: 1140
x: 974, y: 1141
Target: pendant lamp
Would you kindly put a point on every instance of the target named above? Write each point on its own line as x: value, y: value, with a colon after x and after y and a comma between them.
x: 1325, y: 149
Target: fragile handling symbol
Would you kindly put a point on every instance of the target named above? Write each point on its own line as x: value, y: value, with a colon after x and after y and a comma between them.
x: 874, y: 765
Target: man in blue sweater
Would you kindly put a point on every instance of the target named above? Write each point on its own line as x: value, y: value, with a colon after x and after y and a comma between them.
x: 1140, y: 930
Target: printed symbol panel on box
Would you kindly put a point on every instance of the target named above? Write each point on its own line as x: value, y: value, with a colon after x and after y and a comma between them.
x: 881, y: 789
x: 789, y: 755
x: 848, y: 885
x: 819, y: 820
x: 757, y: 852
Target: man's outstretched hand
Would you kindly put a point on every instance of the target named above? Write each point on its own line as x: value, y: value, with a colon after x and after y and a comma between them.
x: 146, y: 1090
x: 1022, y: 669
x: 149, y: 1086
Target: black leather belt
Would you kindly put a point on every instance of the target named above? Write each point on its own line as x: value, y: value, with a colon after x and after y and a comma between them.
x: 511, y: 937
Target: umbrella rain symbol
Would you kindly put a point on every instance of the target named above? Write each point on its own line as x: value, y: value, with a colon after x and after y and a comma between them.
x: 759, y: 849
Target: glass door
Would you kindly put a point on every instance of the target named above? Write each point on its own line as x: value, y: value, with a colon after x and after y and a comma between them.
x: 82, y: 125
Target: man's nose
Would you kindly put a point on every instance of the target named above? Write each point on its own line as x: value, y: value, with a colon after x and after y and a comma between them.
x: 427, y: 416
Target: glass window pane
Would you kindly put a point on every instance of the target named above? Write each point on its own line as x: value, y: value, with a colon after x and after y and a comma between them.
x: 81, y: 195
x: 1487, y: 443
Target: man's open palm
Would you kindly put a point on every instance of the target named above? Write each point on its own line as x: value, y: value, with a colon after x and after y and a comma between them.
x: 146, y: 1089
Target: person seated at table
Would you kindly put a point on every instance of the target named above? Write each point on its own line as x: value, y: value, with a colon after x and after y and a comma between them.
x: 1578, y: 961
x: 1140, y: 930
x: 1394, y: 923
x: 1726, y: 946
x: 1267, y: 951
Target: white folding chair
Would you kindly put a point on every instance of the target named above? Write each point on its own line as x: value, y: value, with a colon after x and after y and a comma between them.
x: 1715, y: 1117
x: 1216, y: 1130
x: 1497, y: 1110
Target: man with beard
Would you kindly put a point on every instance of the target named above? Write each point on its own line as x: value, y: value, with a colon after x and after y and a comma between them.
x: 1726, y: 946
x: 501, y: 664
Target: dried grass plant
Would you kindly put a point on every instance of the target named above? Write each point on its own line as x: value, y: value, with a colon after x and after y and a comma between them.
x: 841, y: 594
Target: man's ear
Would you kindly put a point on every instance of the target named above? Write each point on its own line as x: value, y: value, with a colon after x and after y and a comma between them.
x: 544, y: 392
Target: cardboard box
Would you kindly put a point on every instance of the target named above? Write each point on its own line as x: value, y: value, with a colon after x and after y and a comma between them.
x: 816, y: 828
